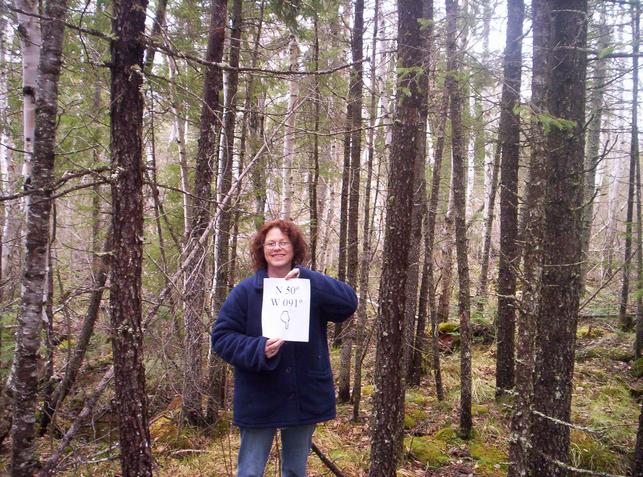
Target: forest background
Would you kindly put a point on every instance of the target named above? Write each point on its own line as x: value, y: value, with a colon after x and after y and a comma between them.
x: 471, y: 168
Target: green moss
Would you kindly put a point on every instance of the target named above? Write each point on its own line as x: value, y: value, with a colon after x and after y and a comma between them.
x: 166, y: 434
x: 479, y: 409
x: 590, y: 352
x: 614, y: 391
x: 448, y: 435
x: 416, y: 397
x: 487, y: 455
x: 588, y: 453
x: 637, y: 368
x: 368, y: 390
x: 589, y: 331
x: 622, y: 355
x: 636, y: 391
x: 413, y: 416
x: 429, y: 451
x: 449, y: 327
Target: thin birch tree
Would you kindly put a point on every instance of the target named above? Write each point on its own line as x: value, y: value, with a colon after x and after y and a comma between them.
x: 34, y: 277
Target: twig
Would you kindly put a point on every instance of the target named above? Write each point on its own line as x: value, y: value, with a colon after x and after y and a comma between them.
x: 329, y: 463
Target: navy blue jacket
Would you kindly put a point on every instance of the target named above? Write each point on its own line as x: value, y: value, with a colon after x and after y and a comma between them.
x: 295, y: 387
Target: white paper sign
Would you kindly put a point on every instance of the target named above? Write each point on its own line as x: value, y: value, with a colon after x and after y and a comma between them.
x: 285, y: 312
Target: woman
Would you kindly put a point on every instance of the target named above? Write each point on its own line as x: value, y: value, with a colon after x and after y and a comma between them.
x: 277, y: 384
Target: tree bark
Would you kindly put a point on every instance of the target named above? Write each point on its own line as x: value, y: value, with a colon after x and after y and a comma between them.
x: 126, y: 111
x: 388, y: 405
x: 563, y: 226
x: 509, y: 141
x: 24, y: 372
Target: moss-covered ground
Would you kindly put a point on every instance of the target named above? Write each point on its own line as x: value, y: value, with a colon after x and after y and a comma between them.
x: 607, y: 385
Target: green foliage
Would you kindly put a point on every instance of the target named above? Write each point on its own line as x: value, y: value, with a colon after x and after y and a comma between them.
x: 551, y: 123
x: 605, y: 52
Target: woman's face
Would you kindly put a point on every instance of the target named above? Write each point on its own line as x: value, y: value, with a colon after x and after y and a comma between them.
x: 278, y: 250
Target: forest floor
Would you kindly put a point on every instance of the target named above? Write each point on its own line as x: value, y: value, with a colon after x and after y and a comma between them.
x: 605, y: 413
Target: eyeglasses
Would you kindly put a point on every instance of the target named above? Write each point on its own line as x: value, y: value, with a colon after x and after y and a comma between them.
x: 274, y: 245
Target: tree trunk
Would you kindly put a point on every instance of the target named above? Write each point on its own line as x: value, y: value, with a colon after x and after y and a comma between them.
x: 592, y: 155
x: 7, y: 179
x: 343, y: 216
x: 207, y: 157
x: 289, y: 138
x: 488, y: 227
x: 30, y: 42
x: 223, y: 230
x: 388, y: 402
x: 126, y: 111
x: 563, y: 226
x: 521, y: 452
x: 509, y: 142
x: 459, y: 207
x: 637, y: 465
x: 155, y: 34
x: 10, y: 215
x: 634, y: 153
x: 352, y: 238
x: 415, y: 329
x: 259, y: 171
x: 314, y: 166
x: 427, y: 303
x: 179, y: 138
x: 34, y: 278
x: 362, y: 312
x: 446, y: 258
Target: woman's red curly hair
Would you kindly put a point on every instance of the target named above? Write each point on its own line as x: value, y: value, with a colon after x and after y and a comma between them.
x: 288, y: 228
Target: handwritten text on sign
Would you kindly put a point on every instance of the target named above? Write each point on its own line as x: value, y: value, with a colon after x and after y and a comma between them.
x: 285, y: 312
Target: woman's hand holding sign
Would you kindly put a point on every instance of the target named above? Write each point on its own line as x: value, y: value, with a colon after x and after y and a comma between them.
x: 273, y: 345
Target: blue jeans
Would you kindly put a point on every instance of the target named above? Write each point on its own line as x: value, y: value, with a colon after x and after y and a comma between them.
x: 256, y: 444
